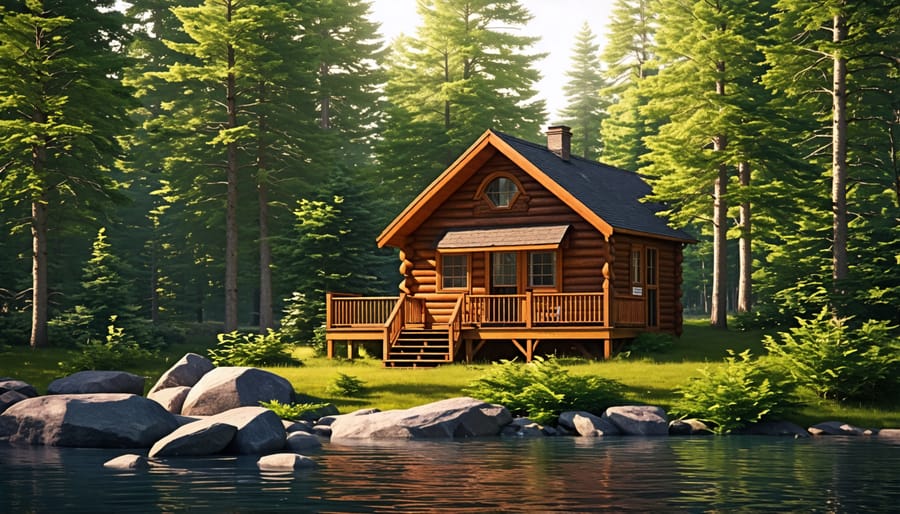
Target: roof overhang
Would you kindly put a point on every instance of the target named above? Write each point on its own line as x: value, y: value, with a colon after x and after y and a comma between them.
x: 548, y: 237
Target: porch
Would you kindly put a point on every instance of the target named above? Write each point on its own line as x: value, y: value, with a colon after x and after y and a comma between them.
x: 413, y: 336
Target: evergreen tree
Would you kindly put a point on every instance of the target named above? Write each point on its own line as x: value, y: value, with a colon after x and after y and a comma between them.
x: 464, y: 72
x: 840, y: 58
x: 62, y: 109
x: 586, y: 108
x: 629, y: 57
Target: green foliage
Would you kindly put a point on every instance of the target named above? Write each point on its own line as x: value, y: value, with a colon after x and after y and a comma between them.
x: 293, y: 411
x: 586, y: 106
x: 836, y: 361
x: 648, y: 344
x: 347, y: 386
x: 542, y: 389
x: 237, y: 349
x: 116, y: 351
x: 736, y: 394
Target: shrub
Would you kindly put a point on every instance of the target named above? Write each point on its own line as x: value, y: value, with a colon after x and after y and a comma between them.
x: 237, y: 349
x: 293, y: 411
x: 733, y: 395
x: 542, y: 389
x: 347, y: 386
x: 118, y: 350
x: 838, y: 362
x: 648, y: 344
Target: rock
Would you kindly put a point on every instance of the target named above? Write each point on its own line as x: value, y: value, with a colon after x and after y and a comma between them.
x: 299, y: 441
x: 285, y: 462
x: 228, y: 388
x: 129, y: 462
x: 10, y: 398
x: 184, y: 420
x: 204, y: 437
x: 171, y: 398
x: 643, y: 420
x: 89, y: 382
x: 586, y: 424
x: 103, y: 420
x: 523, y: 427
x: 297, y: 426
x: 453, y: 418
x: 184, y: 373
x: 23, y: 388
x: 776, y: 428
x: 893, y: 433
x: 259, y: 430
x: 322, y: 430
x: 689, y: 427
x: 835, y: 428
x: 328, y: 420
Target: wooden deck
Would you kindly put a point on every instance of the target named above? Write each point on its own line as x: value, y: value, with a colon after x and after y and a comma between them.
x: 410, y: 337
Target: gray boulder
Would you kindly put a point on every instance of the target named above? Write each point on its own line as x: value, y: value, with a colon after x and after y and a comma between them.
x: 300, y: 441
x: 587, y: 425
x: 89, y: 382
x: 10, y: 398
x: 204, y: 437
x: 171, y: 398
x: 523, y: 427
x: 643, y: 420
x: 835, y: 428
x: 297, y: 426
x: 130, y: 462
x: 893, y: 433
x: 259, y: 430
x: 228, y: 388
x: 453, y: 418
x: 23, y: 388
x: 689, y: 427
x: 103, y: 420
x: 184, y: 373
x: 285, y: 462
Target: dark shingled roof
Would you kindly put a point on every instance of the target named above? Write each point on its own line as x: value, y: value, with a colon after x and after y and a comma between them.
x: 612, y: 193
x: 507, y: 236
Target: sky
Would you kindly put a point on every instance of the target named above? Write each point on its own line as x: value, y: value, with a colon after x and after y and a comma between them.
x: 556, y: 22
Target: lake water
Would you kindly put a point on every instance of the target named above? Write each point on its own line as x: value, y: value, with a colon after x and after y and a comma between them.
x: 565, y: 474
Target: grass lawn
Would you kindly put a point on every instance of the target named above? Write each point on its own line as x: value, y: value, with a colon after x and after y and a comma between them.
x: 651, y: 381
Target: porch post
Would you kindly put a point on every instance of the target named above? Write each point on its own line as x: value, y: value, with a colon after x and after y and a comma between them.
x: 329, y: 344
x: 529, y: 310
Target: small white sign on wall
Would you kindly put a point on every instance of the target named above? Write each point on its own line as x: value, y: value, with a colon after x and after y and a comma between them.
x: 637, y: 291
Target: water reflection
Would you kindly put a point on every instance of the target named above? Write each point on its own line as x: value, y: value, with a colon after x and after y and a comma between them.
x: 492, y: 475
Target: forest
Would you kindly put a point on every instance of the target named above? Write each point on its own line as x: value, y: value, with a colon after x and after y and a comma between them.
x: 168, y: 162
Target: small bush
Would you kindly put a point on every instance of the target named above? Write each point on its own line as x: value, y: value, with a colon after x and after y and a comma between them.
x: 648, y: 344
x: 117, y: 351
x: 293, y: 411
x: 236, y: 349
x: 838, y: 362
x: 542, y: 390
x: 740, y: 392
x: 346, y: 386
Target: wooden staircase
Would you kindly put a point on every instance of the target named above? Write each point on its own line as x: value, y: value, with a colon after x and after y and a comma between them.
x: 419, y: 348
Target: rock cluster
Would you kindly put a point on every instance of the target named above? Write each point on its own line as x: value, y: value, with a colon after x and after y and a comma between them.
x: 196, y: 409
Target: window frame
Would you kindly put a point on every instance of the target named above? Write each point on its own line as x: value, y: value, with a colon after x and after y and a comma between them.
x: 554, y: 271
x: 442, y: 275
x: 484, y: 195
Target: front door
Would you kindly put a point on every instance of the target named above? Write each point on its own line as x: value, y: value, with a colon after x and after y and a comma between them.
x: 504, y: 281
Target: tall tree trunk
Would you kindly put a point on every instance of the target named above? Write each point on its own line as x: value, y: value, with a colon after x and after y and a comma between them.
x: 266, y: 315
x: 39, y: 305
x: 719, y: 313
x: 231, y: 227
x: 839, y: 156
x: 745, y: 256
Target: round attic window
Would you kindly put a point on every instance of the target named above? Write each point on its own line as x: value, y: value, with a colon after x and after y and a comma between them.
x: 501, y: 192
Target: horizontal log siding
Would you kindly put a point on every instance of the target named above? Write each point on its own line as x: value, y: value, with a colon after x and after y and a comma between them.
x: 666, y: 252
x: 582, y: 260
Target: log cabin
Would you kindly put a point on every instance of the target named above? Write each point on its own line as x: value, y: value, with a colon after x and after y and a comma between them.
x: 520, y: 248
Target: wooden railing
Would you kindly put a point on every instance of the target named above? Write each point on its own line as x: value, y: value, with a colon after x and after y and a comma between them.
x: 629, y: 311
x: 353, y: 311
x: 504, y: 309
x: 454, y: 327
x: 567, y: 308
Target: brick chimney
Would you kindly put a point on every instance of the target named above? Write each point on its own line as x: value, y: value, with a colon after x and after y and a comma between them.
x: 559, y: 141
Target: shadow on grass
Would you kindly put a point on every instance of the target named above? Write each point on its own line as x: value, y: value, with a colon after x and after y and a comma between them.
x: 423, y: 390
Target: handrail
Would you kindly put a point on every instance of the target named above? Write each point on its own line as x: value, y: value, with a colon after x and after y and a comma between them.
x: 454, y: 327
x: 355, y: 311
x: 394, y: 325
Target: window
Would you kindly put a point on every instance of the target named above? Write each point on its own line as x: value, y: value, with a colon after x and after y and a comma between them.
x: 636, y: 266
x: 503, y: 269
x: 651, y: 266
x: 454, y: 271
x: 542, y: 269
x: 501, y: 192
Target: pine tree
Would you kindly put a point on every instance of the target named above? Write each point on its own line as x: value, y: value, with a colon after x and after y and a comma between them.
x: 62, y: 109
x: 586, y: 108
x: 464, y: 72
